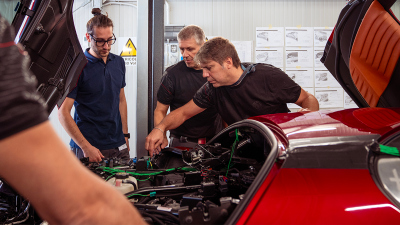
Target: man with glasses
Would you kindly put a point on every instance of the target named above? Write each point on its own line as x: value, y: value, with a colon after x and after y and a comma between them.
x: 99, y: 128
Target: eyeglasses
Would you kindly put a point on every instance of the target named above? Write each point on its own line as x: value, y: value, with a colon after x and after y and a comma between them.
x: 101, y: 43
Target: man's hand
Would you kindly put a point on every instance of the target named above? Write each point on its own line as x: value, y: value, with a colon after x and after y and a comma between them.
x: 93, y: 153
x: 155, y: 141
x: 303, y: 110
x: 127, y: 143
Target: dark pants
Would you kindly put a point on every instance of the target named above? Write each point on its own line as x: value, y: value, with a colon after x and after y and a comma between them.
x: 107, y: 153
x: 175, y: 142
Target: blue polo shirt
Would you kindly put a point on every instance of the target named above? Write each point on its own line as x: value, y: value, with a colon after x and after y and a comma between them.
x: 97, y: 101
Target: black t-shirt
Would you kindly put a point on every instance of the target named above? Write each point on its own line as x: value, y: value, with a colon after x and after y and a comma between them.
x: 20, y: 105
x: 178, y: 86
x: 264, y: 90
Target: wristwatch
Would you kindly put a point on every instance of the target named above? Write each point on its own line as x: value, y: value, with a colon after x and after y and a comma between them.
x: 128, y: 135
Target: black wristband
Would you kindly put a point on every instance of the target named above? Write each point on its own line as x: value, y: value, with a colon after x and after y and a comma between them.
x: 128, y: 135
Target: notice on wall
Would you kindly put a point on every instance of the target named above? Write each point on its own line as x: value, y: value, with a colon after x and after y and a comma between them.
x: 294, y: 106
x: 127, y: 50
x: 323, y: 78
x: 321, y: 35
x: 244, y: 50
x: 299, y: 36
x: 303, y: 77
x: 273, y: 56
x: 318, y: 53
x: 269, y: 36
x: 329, y: 97
x: 348, y: 102
x: 299, y: 57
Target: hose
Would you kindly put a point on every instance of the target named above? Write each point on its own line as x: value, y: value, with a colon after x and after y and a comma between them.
x: 155, y: 219
x: 130, y: 182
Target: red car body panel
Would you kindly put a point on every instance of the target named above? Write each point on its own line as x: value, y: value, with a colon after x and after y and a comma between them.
x: 323, y: 195
x: 320, y: 196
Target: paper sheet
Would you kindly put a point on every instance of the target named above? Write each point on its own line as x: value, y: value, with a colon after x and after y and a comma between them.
x: 348, y: 102
x: 269, y: 36
x: 321, y: 35
x: 323, y: 78
x: 299, y: 57
x: 273, y: 56
x: 294, y: 106
x: 329, y: 97
x: 302, y: 36
x: 303, y: 77
x: 318, y: 53
x: 244, y: 50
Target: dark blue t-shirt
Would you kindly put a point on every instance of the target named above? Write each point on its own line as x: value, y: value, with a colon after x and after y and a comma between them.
x: 97, y: 101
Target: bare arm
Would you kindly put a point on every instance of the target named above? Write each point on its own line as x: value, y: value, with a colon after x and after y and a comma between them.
x: 57, y: 184
x: 123, y: 110
x: 64, y: 116
x: 160, y: 112
x: 173, y: 120
x: 307, y: 101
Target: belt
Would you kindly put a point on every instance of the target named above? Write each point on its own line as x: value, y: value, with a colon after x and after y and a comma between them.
x: 184, y: 139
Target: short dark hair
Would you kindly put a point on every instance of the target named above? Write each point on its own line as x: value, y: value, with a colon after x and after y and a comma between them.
x: 218, y: 49
x: 192, y: 31
x: 98, y: 20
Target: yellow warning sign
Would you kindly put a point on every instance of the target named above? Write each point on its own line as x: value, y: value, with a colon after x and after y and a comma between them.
x: 129, y: 49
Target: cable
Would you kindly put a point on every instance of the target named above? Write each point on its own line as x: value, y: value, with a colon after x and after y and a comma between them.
x: 152, y: 217
x: 164, y: 214
x: 233, y: 149
x: 130, y: 182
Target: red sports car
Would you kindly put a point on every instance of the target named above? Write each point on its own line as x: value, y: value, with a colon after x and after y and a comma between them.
x: 324, y: 167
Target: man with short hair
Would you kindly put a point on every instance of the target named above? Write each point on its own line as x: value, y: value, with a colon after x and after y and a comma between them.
x: 99, y: 128
x: 178, y: 86
x: 238, y: 91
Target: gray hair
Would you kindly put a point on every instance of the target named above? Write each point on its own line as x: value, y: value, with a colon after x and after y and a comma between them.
x: 192, y: 31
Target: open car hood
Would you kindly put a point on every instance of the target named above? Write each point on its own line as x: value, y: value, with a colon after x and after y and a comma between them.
x: 362, y: 53
x: 46, y: 29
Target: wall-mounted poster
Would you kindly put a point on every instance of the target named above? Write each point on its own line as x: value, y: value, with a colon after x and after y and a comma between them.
x: 323, y: 78
x: 244, y: 50
x: 299, y: 57
x: 294, y: 106
x: 318, y: 53
x: 329, y: 97
x: 303, y: 77
x: 273, y: 56
x: 299, y: 36
x: 321, y: 35
x: 348, y: 102
x: 269, y: 36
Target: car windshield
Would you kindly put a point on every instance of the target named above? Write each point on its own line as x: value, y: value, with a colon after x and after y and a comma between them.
x: 8, y: 9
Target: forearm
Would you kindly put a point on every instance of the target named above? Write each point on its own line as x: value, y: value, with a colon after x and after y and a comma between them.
x: 123, y: 109
x: 85, y: 197
x: 310, y: 103
x: 158, y: 117
x: 73, y: 130
x: 171, y: 121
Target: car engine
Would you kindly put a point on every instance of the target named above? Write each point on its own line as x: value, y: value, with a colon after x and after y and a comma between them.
x: 200, y: 185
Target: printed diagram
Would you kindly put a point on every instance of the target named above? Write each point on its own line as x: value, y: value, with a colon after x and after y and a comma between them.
x: 174, y: 48
x: 321, y: 77
x: 320, y: 36
x: 262, y: 57
x: 319, y: 55
x: 293, y: 35
x: 322, y: 97
x: 348, y: 100
x: 292, y: 57
x: 263, y: 35
x: 292, y: 76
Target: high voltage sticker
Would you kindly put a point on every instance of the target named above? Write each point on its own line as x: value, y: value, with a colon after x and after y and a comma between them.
x: 129, y: 49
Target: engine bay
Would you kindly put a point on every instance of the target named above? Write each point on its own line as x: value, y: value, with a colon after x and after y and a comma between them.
x: 200, y: 185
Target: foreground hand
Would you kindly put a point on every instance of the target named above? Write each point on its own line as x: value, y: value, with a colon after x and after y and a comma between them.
x: 155, y: 141
x: 303, y: 110
x: 93, y: 153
